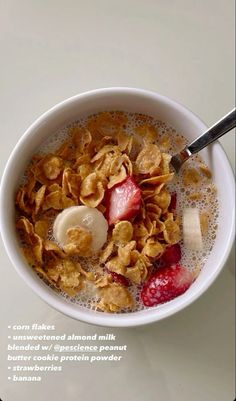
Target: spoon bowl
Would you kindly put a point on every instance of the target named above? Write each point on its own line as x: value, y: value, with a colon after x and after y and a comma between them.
x: 130, y: 100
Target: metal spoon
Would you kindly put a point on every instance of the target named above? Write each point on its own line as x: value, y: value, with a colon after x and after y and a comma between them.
x: 224, y: 125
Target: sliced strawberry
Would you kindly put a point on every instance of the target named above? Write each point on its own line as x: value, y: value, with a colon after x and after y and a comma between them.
x: 122, y: 201
x: 173, y: 202
x: 166, y: 284
x: 119, y: 279
x: 172, y: 255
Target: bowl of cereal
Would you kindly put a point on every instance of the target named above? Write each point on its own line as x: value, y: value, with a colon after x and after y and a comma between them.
x: 98, y: 224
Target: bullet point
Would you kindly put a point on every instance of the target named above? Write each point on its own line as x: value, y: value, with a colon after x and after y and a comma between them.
x: 9, y: 337
x: 9, y: 378
x: 9, y: 367
x: 9, y: 327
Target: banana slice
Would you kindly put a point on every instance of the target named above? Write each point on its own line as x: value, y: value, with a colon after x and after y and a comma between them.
x: 85, y: 217
x: 192, y: 229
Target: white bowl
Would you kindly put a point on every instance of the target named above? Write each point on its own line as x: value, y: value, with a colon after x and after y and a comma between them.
x: 133, y: 100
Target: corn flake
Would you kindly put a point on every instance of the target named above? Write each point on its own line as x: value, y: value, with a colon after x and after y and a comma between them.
x: 191, y: 177
x: 89, y: 185
x: 148, y: 132
x: 149, y: 192
x: 154, y: 208
x: 81, y: 138
x: 148, y: 159
x: 41, y: 228
x: 162, y: 200
x: 104, y: 150
x: 115, y: 265
x: 71, y: 183
x: 119, y: 177
x: 134, y: 274
x: 65, y: 151
x: 124, y: 253
x: 106, y: 253
x: 33, y: 239
x: 158, y: 179
x: 138, y: 273
x: 140, y: 230
x: 39, y: 198
x: 114, y: 297
x: 53, y: 248
x: 56, y: 199
x: 103, y: 165
x: 84, y: 170
x: 22, y: 200
x: 79, y: 242
x: 123, y: 141
x: 52, y: 166
x: 122, y: 232
x: 24, y: 224
x: 165, y: 163
x: 153, y: 248
x: 94, y: 191
x: 65, y: 275
x: 171, y: 231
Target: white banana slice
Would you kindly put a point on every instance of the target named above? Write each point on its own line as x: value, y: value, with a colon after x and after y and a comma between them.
x: 192, y: 229
x: 85, y: 217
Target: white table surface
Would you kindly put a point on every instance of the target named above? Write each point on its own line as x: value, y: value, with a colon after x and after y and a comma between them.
x: 184, y: 49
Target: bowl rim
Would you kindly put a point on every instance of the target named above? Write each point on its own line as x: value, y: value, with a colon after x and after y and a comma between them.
x: 52, y: 298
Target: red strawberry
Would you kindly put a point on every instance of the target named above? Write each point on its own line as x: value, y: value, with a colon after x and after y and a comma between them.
x: 171, y: 255
x: 119, y: 279
x: 173, y: 202
x: 122, y: 201
x: 166, y: 284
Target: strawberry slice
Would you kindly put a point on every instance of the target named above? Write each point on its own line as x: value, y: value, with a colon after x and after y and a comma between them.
x: 172, y: 255
x: 119, y: 279
x: 122, y: 201
x: 166, y: 284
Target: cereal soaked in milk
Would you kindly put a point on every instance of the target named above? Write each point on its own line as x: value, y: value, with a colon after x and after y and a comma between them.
x: 189, y: 193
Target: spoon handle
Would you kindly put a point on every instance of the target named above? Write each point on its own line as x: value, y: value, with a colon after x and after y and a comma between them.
x: 224, y: 125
